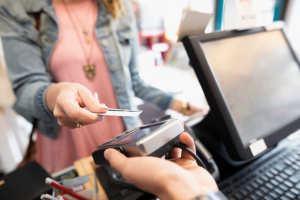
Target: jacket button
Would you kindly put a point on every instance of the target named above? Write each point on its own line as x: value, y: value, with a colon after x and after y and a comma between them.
x: 104, y: 42
x: 119, y: 91
x: 112, y: 67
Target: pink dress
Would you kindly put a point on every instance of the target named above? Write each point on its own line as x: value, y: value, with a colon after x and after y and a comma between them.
x: 66, y: 65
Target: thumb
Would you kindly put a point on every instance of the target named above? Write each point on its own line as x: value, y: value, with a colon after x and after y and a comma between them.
x: 115, y: 159
x: 90, y: 101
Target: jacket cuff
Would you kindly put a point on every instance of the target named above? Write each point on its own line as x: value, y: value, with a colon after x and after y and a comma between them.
x: 166, y: 102
x: 40, y: 101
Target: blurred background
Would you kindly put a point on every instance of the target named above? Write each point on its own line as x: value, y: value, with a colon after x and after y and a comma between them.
x: 163, y: 61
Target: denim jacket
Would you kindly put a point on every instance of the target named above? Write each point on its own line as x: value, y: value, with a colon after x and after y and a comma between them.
x: 28, y: 52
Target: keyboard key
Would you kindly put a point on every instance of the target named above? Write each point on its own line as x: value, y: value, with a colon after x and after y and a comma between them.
x: 295, y: 178
x: 268, y: 198
x: 244, y: 192
x: 291, y: 159
x: 278, y: 178
x: 284, y: 187
x: 274, y: 195
x: 254, y: 185
x: 288, y: 183
x: 295, y: 167
x: 254, y: 197
x: 297, y: 163
x: 289, y: 171
x: 291, y: 195
x: 259, y: 181
x: 280, y: 166
x: 284, y: 198
x: 274, y: 171
x: 279, y: 191
x: 295, y: 191
x: 269, y: 185
x: 274, y: 182
x: 238, y: 196
x: 249, y: 188
x: 269, y: 174
x: 264, y: 189
x: 294, y: 155
x: 265, y: 178
x: 286, y: 161
x: 283, y: 175
x: 259, y: 193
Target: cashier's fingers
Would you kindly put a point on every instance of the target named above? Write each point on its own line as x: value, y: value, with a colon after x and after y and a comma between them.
x: 185, y: 138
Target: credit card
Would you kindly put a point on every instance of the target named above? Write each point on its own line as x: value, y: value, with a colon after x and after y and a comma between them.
x: 122, y: 113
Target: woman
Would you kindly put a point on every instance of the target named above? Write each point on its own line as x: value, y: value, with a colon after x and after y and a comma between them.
x: 66, y: 56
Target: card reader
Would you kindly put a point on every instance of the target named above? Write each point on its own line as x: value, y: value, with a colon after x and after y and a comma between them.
x: 154, y: 139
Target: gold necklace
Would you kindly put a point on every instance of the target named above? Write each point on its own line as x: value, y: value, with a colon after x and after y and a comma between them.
x: 84, y: 31
x: 89, y: 69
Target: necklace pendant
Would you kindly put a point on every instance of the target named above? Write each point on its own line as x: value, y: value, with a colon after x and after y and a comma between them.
x: 87, y: 39
x: 90, y: 71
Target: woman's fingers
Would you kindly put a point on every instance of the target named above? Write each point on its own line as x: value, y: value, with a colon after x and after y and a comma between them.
x: 90, y: 101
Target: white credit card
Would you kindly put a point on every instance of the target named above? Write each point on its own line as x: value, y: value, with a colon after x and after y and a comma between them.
x: 122, y: 113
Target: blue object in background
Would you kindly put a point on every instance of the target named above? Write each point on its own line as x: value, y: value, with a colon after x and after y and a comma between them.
x: 279, y: 9
x: 219, y: 14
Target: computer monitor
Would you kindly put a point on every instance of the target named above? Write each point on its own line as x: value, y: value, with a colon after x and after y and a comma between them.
x: 251, y: 80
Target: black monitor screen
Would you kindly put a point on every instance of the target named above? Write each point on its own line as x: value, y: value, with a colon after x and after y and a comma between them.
x: 259, y: 80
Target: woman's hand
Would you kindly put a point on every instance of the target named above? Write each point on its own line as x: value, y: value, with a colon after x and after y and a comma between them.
x: 180, y: 179
x: 69, y: 103
x: 178, y: 106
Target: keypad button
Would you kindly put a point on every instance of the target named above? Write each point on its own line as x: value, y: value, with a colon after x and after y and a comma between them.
x: 254, y: 197
x: 274, y: 171
x: 288, y: 183
x: 268, y: 198
x: 284, y: 187
x: 279, y: 179
x: 269, y: 174
x: 269, y: 185
x: 297, y: 186
x: 289, y: 171
x: 265, y: 178
x: 291, y: 159
x: 254, y: 185
x: 280, y: 166
x: 295, y: 178
x: 238, y: 196
x: 259, y: 181
x: 274, y: 195
x: 295, y: 167
x: 264, y: 189
x: 283, y: 175
x: 274, y: 182
x: 291, y: 195
x: 286, y: 161
x: 295, y: 191
x: 259, y: 193
x: 249, y: 188
x: 279, y: 191
x: 244, y: 192
x: 284, y: 198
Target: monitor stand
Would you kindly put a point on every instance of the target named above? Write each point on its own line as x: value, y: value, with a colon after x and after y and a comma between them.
x: 207, y: 132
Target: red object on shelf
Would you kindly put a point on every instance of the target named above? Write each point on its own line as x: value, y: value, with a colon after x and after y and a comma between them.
x: 150, y: 36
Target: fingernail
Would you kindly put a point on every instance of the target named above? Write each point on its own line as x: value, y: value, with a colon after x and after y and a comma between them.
x: 100, y: 118
x: 104, y: 106
x: 107, y: 154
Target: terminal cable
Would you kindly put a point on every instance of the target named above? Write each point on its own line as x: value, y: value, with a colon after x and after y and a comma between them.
x: 191, y: 152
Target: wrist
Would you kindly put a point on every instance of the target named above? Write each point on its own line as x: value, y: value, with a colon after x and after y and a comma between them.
x: 52, y: 93
x: 182, y: 188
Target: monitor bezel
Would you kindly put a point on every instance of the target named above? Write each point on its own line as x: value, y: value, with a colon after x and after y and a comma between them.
x: 218, y: 108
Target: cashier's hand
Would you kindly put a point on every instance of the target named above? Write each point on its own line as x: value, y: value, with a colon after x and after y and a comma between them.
x: 69, y: 103
x: 178, y: 106
x: 177, y: 178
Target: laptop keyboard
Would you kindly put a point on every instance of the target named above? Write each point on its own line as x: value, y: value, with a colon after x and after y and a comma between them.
x: 277, y: 178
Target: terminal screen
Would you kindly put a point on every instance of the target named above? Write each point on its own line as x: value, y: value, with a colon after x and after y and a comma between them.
x: 259, y: 80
